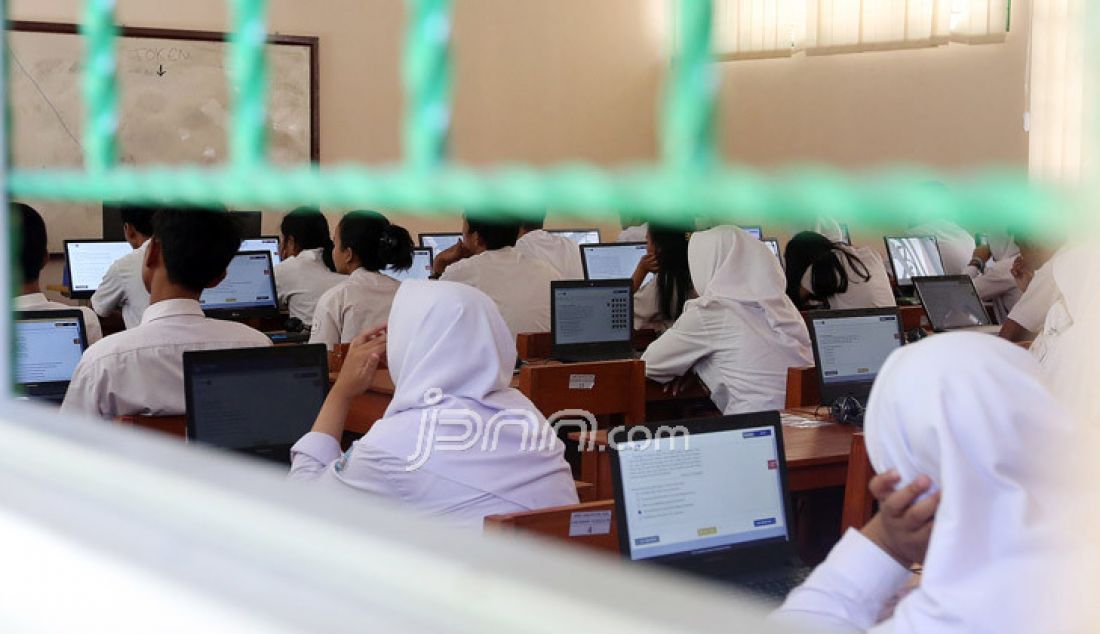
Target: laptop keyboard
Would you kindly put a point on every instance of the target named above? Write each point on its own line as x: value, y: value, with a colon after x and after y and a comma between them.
x: 778, y: 588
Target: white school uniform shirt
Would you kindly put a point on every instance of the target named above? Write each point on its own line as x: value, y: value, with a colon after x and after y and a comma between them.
x: 519, y: 284
x: 647, y: 308
x: 742, y: 333
x: 123, y: 289
x: 955, y: 243
x: 38, y: 301
x: 140, y: 371
x: 301, y: 280
x: 875, y: 292
x: 558, y: 251
x: 637, y: 233
x: 995, y: 282
x: 451, y: 357
x: 973, y: 414
x: 1041, y: 294
x: 359, y: 303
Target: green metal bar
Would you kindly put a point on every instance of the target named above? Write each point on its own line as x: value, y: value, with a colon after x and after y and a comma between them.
x: 100, y: 85
x: 687, y: 141
x: 427, y: 76
x: 248, y: 84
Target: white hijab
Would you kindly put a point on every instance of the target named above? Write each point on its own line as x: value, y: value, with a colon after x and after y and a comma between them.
x: 972, y: 412
x: 729, y: 265
x: 450, y: 354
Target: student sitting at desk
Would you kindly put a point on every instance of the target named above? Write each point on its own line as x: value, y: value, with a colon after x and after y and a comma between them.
x: 1035, y: 278
x: 140, y: 371
x: 821, y: 272
x: 558, y: 251
x: 366, y: 243
x: 486, y: 258
x: 34, y: 256
x: 659, y: 302
x: 966, y: 417
x: 742, y: 333
x: 991, y: 270
x: 307, y: 269
x: 448, y: 350
x: 122, y: 287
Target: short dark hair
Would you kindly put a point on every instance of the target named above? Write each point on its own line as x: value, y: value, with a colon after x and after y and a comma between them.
x: 33, y: 250
x: 197, y: 244
x: 139, y: 217
x: 377, y: 243
x: 534, y: 221
x: 495, y: 233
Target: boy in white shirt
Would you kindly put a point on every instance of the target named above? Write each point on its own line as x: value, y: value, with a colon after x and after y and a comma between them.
x: 140, y: 371
x: 122, y: 287
x: 34, y: 258
x: 558, y: 251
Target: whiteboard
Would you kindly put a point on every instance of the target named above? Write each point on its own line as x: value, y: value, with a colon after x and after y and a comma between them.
x: 174, y: 108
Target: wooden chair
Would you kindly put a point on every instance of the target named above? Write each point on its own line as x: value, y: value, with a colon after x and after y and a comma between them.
x: 803, y: 388
x: 593, y: 524
x: 586, y: 491
x: 602, y: 388
x: 540, y: 345
x: 171, y: 425
x: 858, y: 501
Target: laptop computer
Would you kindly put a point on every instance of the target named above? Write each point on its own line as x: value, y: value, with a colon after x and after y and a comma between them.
x: 753, y: 230
x: 48, y: 345
x: 87, y: 261
x: 257, y: 401
x: 592, y: 320
x: 248, y: 289
x: 709, y: 497
x: 580, y: 236
x: 913, y: 256
x: 421, y: 268
x: 266, y: 243
x: 845, y: 234
x: 952, y: 303
x: 773, y: 245
x: 850, y: 347
x: 611, y: 261
x: 439, y: 242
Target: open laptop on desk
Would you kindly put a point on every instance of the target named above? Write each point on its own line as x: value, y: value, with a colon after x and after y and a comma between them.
x: 612, y: 261
x: 952, y: 303
x: 87, y: 261
x: 711, y: 502
x: 592, y: 320
x: 580, y: 236
x: 773, y: 246
x: 48, y: 345
x: 266, y: 243
x: 248, y: 289
x: 850, y: 347
x: 421, y: 268
x: 439, y: 242
x: 257, y: 401
x: 913, y: 256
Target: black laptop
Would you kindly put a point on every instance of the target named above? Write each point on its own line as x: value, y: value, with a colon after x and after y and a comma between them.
x: 952, y: 303
x: 48, y: 345
x: 850, y: 347
x: 592, y: 320
x: 257, y: 401
x: 709, y: 497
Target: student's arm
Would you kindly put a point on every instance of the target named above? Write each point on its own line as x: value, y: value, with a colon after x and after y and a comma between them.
x: 83, y: 395
x: 448, y: 257
x: 111, y: 293
x: 92, y: 327
x: 1014, y: 332
x: 646, y: 265
x: 678, y: 349
x: 995, y: 281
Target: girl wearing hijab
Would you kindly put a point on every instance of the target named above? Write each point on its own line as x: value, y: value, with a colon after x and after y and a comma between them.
x: 978, y: 449
x: 307, y: 270
x: 659, y: 301
x: 742, y: 333
x: 832, y: 274
x: 451, y: 357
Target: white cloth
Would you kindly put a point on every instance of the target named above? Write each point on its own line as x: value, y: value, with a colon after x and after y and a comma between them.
x: 742, y: 333
x: 829, y: 228
x: 971, y: 412
x: 451, y: 357
x: 995, y: 283
x: 1054, y: 346
x: 1041, y: 294
x: 637, y: 233
x: 123, y: 289
x: 140, y: 371
x: 520, y: 286
x: 301, y: 280
x: 361, y: 302
x: 956, y: 244
x: 38, y: 301
x: 558, y: 251
x: 875, y: 292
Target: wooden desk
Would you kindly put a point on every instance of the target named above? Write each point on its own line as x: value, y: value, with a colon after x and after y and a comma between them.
x: 540, y: 345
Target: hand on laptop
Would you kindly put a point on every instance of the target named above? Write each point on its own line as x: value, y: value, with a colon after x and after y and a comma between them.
x: 449, y: 256
x: 365, y: 354
x: 903, y: 524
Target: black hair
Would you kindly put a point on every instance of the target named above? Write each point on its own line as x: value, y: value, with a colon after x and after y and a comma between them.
x: 197, y: 244
x: 375, y: 241
x: 534, y: 221
x: 496, y: 233
x: 309, y: 228
x: 33, y: 250
x: 139, y: 217
x: 828, y: 277
x: 674, y: 277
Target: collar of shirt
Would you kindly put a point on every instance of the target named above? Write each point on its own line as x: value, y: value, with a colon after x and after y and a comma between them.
x: 171, y: 308
x: 311, y: 255
x: 29, y: 301
x: 363, y: 276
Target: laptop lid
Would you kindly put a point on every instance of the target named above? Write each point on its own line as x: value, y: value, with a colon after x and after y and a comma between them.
x: 611, y: 261
x: 87, y: 261
x: 580, y: 236
x: 773, y: 246
x: 703, y: 495
x: 439, y: 242
x: 592, y: 318
x: 951, y: 302
x: 258, y: 401
x: 266, y: 243
x: 248, y: 289
x: 251, y: 223
x: 421, y: 268
x: 48, y: 345
x: 850, y: 347
x: 111, y: 219
x: 913, y: 256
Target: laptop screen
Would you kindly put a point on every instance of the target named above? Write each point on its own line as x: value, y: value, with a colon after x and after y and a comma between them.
x: 439, y: 242
x: 755, y: 231
x: 852, y: 349
x: 773, y: 246
x: 705, y: 491
x: 913, y: 257
x: 592, y: 314
x: 580, y: 236
x: 951, y: 302
x: 269, y: 244
x: 421, y: 268
x: 612, y: 261
x: 88, y: 262
x: 248, y: 285
x: 47, y: 348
